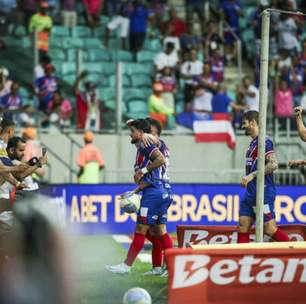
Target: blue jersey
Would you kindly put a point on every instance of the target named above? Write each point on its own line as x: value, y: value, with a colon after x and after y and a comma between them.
x: 251, y: 166
x: 159, y: 176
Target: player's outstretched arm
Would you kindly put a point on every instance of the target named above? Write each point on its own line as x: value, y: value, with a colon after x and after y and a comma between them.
x: 299, y: 122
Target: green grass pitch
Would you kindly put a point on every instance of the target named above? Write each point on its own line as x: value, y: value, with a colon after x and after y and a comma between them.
x: 96, y: 286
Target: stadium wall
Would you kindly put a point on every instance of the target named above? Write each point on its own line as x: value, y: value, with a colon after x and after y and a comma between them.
x: 190, y: 162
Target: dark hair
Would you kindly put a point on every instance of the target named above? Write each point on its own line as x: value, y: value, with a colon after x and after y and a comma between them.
x: 170, y: 45
x: 141, y: 124
x: 250, y: 115
x: 13, y: 142
x: 155, y: 123
x: 5, y: 124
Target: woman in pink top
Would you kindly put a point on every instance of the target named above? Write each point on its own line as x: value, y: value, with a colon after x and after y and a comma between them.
x: 283, y: 100
x: 93, y: 9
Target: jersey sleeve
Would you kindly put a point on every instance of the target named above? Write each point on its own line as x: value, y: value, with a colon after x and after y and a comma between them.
x: 269, y: 148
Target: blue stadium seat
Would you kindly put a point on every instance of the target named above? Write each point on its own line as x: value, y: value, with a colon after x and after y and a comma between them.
x: 69, y: 78
x: 146, y: 56
x: 107, y: 93
x: 133, y: 94
x: 68, y: 68
x: 57, y: 54
x: 60, y: 31
x: 141, y: 80
x: 92, y: 43
x: 153, y: 45
x: 95, y: 77
x: 108, y: 68
x: 120, y: 55
x: 81, y: 32
x: 138, y: 106
x: 138, y: 68
x: 125, y: 81
x: 99, y: 55
x: 23, y: 92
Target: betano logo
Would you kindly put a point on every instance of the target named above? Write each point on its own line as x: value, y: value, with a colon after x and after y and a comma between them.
x: 203, y: 237
x: 191, y: 270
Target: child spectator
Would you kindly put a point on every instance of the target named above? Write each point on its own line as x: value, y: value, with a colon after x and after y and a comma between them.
x: 69, y: 15
x: 62, y: 107
x: 167, y: 79
x: 217, y: 66
x: 157, y: 107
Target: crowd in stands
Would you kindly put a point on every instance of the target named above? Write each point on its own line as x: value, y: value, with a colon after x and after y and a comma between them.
x: 188, y: 76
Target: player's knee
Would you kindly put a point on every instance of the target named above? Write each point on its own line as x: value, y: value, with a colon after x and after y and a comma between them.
x: 160, y: 229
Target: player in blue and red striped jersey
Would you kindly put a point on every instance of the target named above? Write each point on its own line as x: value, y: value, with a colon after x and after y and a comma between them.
x: 152, y: 179
x: 248, y: 203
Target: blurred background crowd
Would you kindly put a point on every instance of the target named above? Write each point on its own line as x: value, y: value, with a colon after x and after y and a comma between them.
x: 182, y: 60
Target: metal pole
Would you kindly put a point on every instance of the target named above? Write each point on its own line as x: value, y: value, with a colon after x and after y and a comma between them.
x: 263, y: 101
x: 239, y: 58
x: 36, y: 51
x: 118, y: 96
x: 79, y: 61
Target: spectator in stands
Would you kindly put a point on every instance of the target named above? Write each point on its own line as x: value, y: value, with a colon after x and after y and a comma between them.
x: 195, y: 6
x: 283, y: 100
x: 287, y: 33
x: 5, y: 83
x: 62, y: 107
x: 88, y: 105
x: 222, y: 103
x: 168, y: 80
x: 206, y: 80
x: 6, y: 15
x: 69, y: 14
x: 212, y: 40
x: 90, y: 161
x: 217, y: 66
x: 93, y: 9
x: 189, y: 40
x: 138, y: 26
x: 45, y: 87
x: 167, y: 58
x: 189, y: 71
x: 250, y: 94
x: 11, y: 101
x: 122, y: 21
x: 231, y: 10
x: 157, y: 8
x: 284, y: 62
x: 39, y: 70
x: 157, y: 107
x: 173, y: 29
x: 29, y: 8
x: 42, y: 23
x: 295, y: 78
x: 202, y: 101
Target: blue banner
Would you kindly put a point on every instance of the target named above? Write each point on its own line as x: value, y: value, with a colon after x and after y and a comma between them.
x: 96, y: 208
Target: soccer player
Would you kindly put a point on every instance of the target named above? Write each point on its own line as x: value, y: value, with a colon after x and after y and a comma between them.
x: 152, y: 180
x: 248, y: 203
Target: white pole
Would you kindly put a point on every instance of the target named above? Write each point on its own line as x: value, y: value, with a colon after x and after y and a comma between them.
x: 263, y: 101
x: 119, y: 96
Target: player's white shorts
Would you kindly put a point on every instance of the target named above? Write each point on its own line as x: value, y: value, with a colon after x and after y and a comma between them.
x: 124, y: 24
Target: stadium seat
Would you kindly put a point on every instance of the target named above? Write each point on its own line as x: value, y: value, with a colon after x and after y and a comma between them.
x: 57, y: 54
x: 72, y: 54
x: 153, y: 45
x: 132, y: 94
x: 72, y: 43
x: 138, y: 68
x: 92, y: 67
x: 104, y: 19
x: 138, y: 105
x: 141, y: 80
x: 20, y: 31
x: 23, y: 92
x: 99, y: 32
x: 125, y: 81
x: 60, y: 31
x: 68, y: 68
x: 99, y: 55
x: 95, y: 77
x: 107, y: 93
x: 121, y: 55
x: 69, y: 78
x: 81, y: 32
x: 248, y: 35
x: 145, y: 56
x: 108, y: 68
x: 92, y: 43
x: 231, y: 95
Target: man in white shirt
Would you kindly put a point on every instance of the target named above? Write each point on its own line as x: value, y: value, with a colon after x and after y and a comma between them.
x: 287, y: 33
x: 202, y: 101
x: 167, y: 58
x: 251, y: 94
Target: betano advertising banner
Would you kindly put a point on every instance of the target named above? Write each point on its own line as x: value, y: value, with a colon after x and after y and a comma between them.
x: 96, y: 208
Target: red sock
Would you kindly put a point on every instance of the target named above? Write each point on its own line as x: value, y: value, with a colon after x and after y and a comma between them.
x: 243, y: 237
x: 135, y: 248
x: 157, y: 253
x: 280, y: 236
x: 166, y: 241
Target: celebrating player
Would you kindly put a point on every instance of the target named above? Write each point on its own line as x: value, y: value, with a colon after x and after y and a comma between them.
x: 248, y: 203
x: 151, y: 177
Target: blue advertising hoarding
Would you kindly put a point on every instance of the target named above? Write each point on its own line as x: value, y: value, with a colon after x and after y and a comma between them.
x: 96, y: 208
